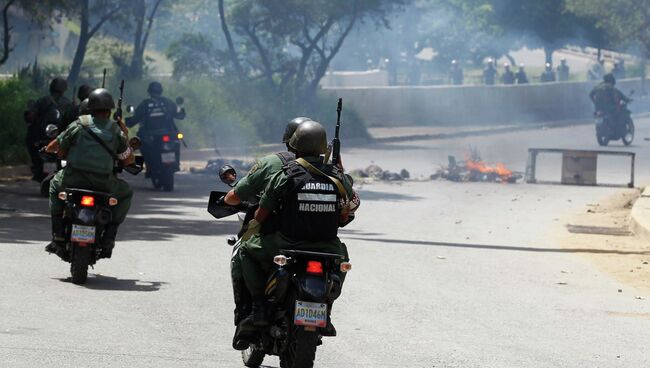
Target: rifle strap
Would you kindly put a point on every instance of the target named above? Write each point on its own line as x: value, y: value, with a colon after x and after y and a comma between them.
x: 85, y: 123
x: 314, y: 170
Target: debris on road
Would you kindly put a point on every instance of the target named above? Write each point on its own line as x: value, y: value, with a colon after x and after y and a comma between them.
x: 375, y: 172
x: 473, y: 169
x: 638, y: 297
x: 213, y: 166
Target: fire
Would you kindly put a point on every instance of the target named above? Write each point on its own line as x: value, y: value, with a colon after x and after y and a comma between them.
x: 500, y: 170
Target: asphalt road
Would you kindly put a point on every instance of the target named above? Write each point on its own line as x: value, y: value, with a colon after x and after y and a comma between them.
x: 445, y: 274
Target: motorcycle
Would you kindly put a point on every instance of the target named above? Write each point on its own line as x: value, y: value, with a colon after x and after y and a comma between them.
x: 608, y: 129
x: 85, y: 217
x: 162, y: 152
x: 300, y: 293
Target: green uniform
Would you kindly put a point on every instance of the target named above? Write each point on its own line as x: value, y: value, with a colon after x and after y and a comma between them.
x: 250, y: 186
x: 91, y: 168
x: 256, y: 254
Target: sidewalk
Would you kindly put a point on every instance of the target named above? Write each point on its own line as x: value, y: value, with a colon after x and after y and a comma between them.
x: 640, y: 215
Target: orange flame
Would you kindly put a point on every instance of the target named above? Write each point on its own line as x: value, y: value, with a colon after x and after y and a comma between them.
x: 499, y: 169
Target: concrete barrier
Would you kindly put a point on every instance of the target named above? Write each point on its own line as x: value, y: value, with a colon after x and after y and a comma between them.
x: 473, y: 105
x: 370, y: 78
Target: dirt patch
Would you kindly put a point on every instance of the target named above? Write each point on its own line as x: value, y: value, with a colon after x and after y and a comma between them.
x: 627, y: 258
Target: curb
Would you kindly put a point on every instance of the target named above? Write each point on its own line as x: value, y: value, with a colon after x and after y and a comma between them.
x: 10, y: 172
x: 640, y: 215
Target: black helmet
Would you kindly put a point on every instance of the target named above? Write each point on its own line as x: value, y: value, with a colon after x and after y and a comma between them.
x: 310, y: 139
x: 609, y: 78
x: 84, y: 92
x: 100, y: 99
x: 291, y: 127
x: 83, y: 107
x: 155, y: 88
x: 58, y: 85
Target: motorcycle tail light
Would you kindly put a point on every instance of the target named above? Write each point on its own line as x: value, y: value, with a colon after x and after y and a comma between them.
x: 165, y: 138
x: 63, y: 196
x: 346, y: 266
x: 88, y: 201
x: 180, y: 135
x: 314, y: 268
x: 112, y: 201
x: 280, y: 260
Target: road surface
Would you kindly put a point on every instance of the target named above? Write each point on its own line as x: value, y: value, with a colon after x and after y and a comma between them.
x: 444, y: 274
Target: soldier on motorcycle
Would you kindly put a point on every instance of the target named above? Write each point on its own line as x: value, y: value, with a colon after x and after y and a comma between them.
x: 91, y: 166
x: 248, y: 188
x: 54, y: 108
x: 607, y: 98
x: 156, y: 115
x: 312, y: 200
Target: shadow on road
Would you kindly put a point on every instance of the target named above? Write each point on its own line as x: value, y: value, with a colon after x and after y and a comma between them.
x: 100, y: 282
x: 504, y: 247
x: 154, y: 215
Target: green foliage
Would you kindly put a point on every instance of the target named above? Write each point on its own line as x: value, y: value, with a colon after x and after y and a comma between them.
x: 14, y: 95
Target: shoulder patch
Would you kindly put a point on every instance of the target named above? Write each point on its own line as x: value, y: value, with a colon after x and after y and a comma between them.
x: 254, y: 168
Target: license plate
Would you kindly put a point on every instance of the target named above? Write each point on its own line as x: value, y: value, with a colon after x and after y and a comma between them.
x: 168, y: 157
x: 83, y: 234
x: 310, y: 314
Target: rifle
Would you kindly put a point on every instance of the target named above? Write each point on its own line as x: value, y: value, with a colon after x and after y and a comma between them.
x: 118, y: 112
x: 104, y: 79
x: 336, y: 142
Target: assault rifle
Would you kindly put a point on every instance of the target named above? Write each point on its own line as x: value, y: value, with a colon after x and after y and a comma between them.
x: 336, y: 142
x: 118, y: 112
x: 104, y: 79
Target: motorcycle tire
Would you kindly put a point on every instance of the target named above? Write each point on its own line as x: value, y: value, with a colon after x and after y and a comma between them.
x: 602, y: 140
x: 167, y: 179
x: 79, y: 264
x: 252, y: 357
x: 300, y: 351
x: 156, y: 181
x: 628, y: 137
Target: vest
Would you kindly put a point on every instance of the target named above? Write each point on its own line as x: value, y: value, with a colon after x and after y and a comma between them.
x: 86, y: 153
x: 158, y: 118
x: 310, y: 209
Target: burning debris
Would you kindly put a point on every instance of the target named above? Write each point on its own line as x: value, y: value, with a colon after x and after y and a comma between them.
x: 377, y: 173
x: 213, y: 166
x: 476, y: 170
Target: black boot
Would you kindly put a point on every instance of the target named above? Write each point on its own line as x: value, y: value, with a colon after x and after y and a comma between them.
x: 329, y: 330
x: 108, y: 240
x: 242, y: 300
x: 57, y: 245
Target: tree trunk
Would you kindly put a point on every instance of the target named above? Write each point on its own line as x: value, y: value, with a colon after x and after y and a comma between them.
x: 231, y: 47
x: 6, y: 33
x: 511, y: 59
x: 548, y: 53
x: 137, y: 61
x: 82, y: 45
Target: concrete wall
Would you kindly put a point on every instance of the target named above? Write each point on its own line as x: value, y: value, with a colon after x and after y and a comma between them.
x: 473, y: 105
x: 370, y: 78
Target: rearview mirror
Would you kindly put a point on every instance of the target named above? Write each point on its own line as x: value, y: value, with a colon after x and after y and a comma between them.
x: 130, y: 109
x: 180, y: 101
x: 228, y: 175
x: 51, y: 131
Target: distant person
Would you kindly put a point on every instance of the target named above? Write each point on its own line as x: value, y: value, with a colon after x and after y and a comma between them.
x: 521, y: 76
x: 82, y: 93
x: 508, y: 76
x: 563, y: 71
x: 391, y: 68
x: 489, y: 73
x: 597, y: 71
x: 619, y: 69
x: 55, y: 109
x: 607, y: 98
x: 456, y: 76
x: 548, y: 75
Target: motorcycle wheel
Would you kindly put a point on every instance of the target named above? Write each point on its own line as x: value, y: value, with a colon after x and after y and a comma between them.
x: 252, y: 357
x: 167, y: 179
x: 300, y: 351
x: 628, y: 137
x: 602, y: 139
x: 79, y: 264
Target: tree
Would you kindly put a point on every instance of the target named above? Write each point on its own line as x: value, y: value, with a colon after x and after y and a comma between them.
x: 625, y: 23
x: 103, y: 11
x: 141, y: 35
x: 6, y: 32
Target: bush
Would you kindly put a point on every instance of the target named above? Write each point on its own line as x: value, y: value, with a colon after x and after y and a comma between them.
x: 14, y: 95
